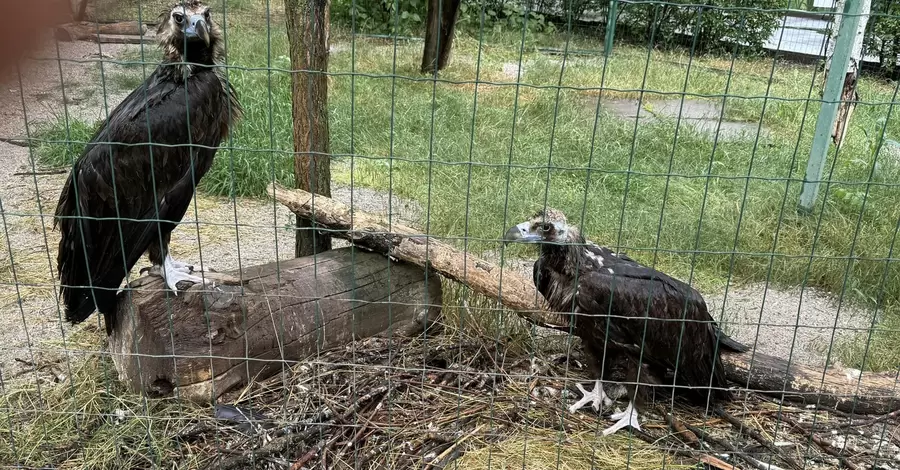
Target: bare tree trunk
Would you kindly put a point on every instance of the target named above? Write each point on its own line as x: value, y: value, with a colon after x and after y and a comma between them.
x: 81, y: 10
x: 208, y: 340
x: 439, y: 25
x: 871, y: 393
x: 307, y: 29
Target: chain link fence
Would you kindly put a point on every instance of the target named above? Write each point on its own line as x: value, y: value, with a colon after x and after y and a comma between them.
x: 676, y: 133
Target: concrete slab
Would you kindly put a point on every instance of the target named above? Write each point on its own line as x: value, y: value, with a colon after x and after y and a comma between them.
x: 703, y: 116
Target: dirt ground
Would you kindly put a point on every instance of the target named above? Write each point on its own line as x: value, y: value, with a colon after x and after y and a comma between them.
x: 241, y: 233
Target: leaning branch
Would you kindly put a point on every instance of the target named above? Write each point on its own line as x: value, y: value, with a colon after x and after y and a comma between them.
x: 833, y: 388
x: 401, y: 242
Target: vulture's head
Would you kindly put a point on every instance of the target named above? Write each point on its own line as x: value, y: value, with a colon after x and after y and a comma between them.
x: 548, y: 225
x: 187, y: 33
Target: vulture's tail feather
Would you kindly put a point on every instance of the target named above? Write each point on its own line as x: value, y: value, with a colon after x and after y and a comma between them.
x: 77, y: 289
x: 79, y: 296
x: 727, y: 343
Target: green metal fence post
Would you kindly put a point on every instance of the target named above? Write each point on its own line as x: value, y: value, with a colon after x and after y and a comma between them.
x: 610, y: 27
x: 831, y: 97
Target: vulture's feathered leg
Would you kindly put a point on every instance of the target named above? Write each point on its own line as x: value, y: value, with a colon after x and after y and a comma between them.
x: 610, y: 369
x: 636, y: 374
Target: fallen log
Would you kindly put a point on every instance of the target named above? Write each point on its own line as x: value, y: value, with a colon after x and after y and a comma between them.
x: 124, y: 39
x: 84, y: 30
x: 841, y: 389
x: 209, y: 340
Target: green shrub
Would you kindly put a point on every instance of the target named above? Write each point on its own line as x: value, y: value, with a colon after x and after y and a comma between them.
x: 407, y: 17
x: 882, y: 38
x: 673, y: 24
x: 402, y: 17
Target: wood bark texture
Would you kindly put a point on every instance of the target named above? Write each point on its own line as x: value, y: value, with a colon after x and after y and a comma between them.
x: 440, y: 22
x: 207, y: 341
x: 307, y: 29
x: 86, y: 31
x: 868, y: 393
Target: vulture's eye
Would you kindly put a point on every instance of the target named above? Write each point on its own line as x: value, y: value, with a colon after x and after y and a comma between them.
x: 546, y: 227
x: 206, y: 15
x: 178, y: 17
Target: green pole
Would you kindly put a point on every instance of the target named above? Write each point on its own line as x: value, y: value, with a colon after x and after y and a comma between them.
x: 610, y: 27
x: 834, y: 84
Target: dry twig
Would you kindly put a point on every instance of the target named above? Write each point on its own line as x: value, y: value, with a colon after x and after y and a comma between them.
x: 758, y: 437
x: 681, y: 431
x: 823, y: 444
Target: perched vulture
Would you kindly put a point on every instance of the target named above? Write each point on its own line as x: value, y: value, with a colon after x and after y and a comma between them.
x: 125, y: 195
x: 630, y: 318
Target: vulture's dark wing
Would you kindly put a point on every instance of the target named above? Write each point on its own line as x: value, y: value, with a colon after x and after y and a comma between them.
x: 646, y: 310
x: 120, y: 180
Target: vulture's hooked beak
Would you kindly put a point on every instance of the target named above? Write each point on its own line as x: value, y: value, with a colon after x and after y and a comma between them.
x: 521, y: 233
x: 197, y: 29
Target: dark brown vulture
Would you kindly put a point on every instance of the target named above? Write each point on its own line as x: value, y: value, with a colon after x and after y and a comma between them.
x: 124, y: 196
x: 629, y: 317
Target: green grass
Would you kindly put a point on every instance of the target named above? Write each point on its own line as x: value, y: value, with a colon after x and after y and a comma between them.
x: 91, y: 420
x: 617, y: 175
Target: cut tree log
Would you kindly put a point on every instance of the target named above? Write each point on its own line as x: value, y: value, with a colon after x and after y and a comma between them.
x: 842, y: 389
x: 209, y: 340
x: 83, y: 31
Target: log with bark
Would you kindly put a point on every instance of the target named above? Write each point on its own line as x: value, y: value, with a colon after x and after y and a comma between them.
x: 209, y: 340
x: 842, y: 389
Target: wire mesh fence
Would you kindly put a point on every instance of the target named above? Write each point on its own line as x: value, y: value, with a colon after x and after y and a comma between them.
x: 676, y: 134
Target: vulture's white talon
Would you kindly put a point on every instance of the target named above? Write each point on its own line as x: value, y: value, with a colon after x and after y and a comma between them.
x: 595, y: 397
x: 628, y: 417
x: 175, y: 272
x: 180, y: 266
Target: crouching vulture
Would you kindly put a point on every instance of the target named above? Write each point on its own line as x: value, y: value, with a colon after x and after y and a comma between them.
x: 631, y: 319
x: 135, y: 180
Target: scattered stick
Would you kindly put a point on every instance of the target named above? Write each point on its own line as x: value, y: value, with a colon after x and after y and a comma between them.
x: 41, y: 173
x: 681, y: 431
x: 358, y: 435
x: 758, y: 437
x: 729, y: 447
x: 823, y: 444
x: 285, y: 443
x: 16, y: 142
x: 877, y: 419
x: 450, y: 450
x: 716, y: 463
x: 318, y: 450
x: 687, y: 453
